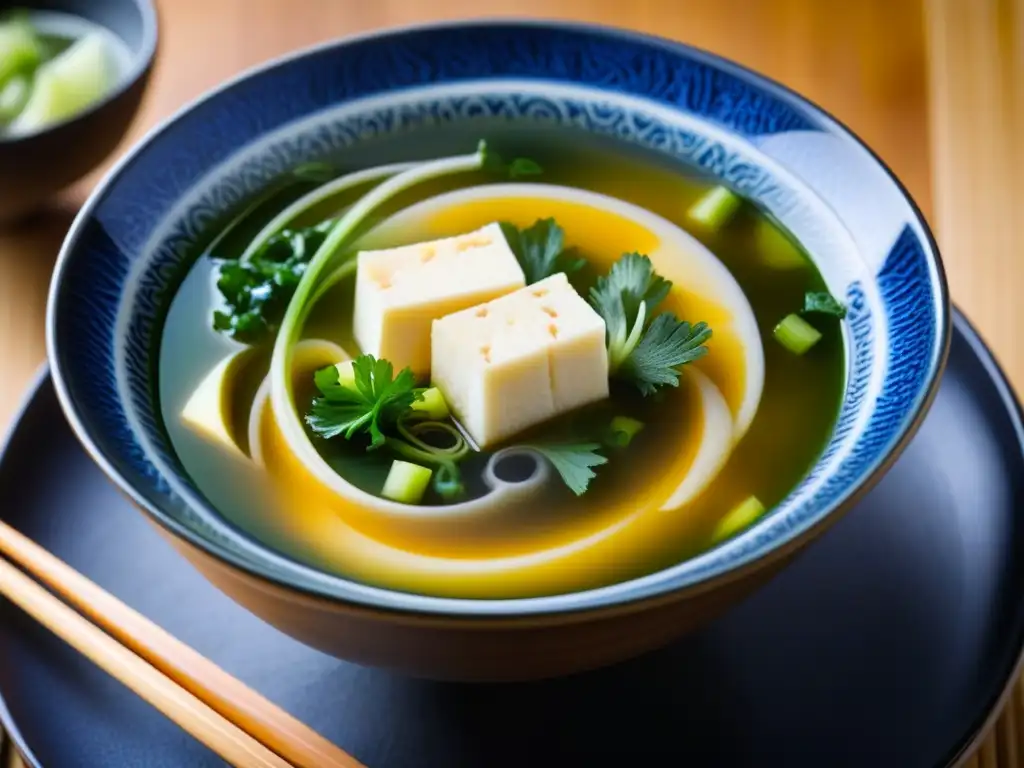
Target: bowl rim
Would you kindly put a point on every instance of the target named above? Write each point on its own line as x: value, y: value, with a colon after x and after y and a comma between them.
x: 142, y: 63
x: 550, y: 608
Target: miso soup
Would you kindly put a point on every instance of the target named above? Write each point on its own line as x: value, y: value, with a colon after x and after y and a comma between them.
x: 488, y: 376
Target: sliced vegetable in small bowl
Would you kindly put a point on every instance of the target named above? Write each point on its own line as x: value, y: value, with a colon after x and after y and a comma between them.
x: 72, y: 74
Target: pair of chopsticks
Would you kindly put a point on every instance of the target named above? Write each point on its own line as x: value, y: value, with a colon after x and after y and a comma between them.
x: 234, y: 721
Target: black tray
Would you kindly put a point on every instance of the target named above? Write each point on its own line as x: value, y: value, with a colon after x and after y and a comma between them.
x: 889, y: 643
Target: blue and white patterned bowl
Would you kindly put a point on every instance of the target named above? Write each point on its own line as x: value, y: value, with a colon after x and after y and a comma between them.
x: 130, y: 246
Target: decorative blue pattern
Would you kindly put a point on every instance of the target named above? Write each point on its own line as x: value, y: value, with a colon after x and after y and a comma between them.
x: 862, y: 342
x: 206, y: 156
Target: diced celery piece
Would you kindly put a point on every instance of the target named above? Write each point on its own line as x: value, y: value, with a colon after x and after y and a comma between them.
x: 406, y: 482
x: 715, y: 208
x: 622, y: 430
x: 739, y: 517
x: 13, y: 97
x: 432, y: 404
x: 346, y: 374
x: 67, y: 84
x: 796, y: 334
x: 20, y: 50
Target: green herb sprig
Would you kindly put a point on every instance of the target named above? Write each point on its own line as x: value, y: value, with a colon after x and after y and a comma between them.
x: 540, y: 249
x: 379, y: 404
x: 644, y: 351
x: 374, y: 404
x: 256, y: 292
x: 573, y: 462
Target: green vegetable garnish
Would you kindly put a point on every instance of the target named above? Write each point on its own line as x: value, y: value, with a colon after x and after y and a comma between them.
x: 667, y: 344
x: 540, y: 249
x: 622, y: 430
x: 647, y: 355
x: 796, y: 334
x: 715, y: 208
x: 257, y: 291
x: 823, y: 303
x: 624, y: 298
x: 375, y: 403
x: 364, y: 397
x: 573, y: 461
x: 431, y: 404
x: 406, y: 483
x: 739, y: 517
x: 448, y: 482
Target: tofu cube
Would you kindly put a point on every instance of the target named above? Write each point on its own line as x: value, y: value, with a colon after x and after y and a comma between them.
x: 401, y: 291
x: 519, y: 360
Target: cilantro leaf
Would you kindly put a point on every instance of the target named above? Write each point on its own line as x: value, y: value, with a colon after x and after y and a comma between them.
x: 256, y: 292
x: 540, y: 249
x: 823, y: 303
x: 667, y: 344
x: 340, y: 410
x: 372, y: 406
x: 631, y: 280
x: 643, y: 351
x: 624, y: 298
x: 573, y: 461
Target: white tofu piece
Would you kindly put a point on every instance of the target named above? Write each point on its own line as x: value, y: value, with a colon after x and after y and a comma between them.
x: 208, y: 410
x: 401, y: 291
x: 519, y: 360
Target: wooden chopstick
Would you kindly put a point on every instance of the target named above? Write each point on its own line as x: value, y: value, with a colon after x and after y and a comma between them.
x: 223, y: 737
x: 203, y: 681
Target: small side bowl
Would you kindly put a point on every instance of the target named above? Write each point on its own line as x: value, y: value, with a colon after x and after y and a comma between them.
x: 36, y: 166
x: 137, y: 236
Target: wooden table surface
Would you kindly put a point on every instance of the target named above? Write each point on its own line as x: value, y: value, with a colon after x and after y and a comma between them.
x: 936, y: 87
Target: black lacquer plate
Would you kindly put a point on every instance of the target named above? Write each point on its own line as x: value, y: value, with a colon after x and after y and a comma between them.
x: 889, y: 643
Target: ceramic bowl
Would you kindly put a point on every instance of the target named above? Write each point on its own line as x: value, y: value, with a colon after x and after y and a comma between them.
x: 35, y: 166
x: 129, y: 248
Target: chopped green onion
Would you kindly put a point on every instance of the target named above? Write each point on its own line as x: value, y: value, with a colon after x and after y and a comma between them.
x: 406, y: 482
x: 796, y: 334
x: 715, y: 208
x: 432, y: 405
x: 741, y: 516
x: 13, y: 97
x: 448, y: 482
x: 622, y: 430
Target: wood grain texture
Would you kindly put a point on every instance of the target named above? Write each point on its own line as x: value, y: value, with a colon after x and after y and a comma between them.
x: 867, y: 62
x: 975, y: 55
